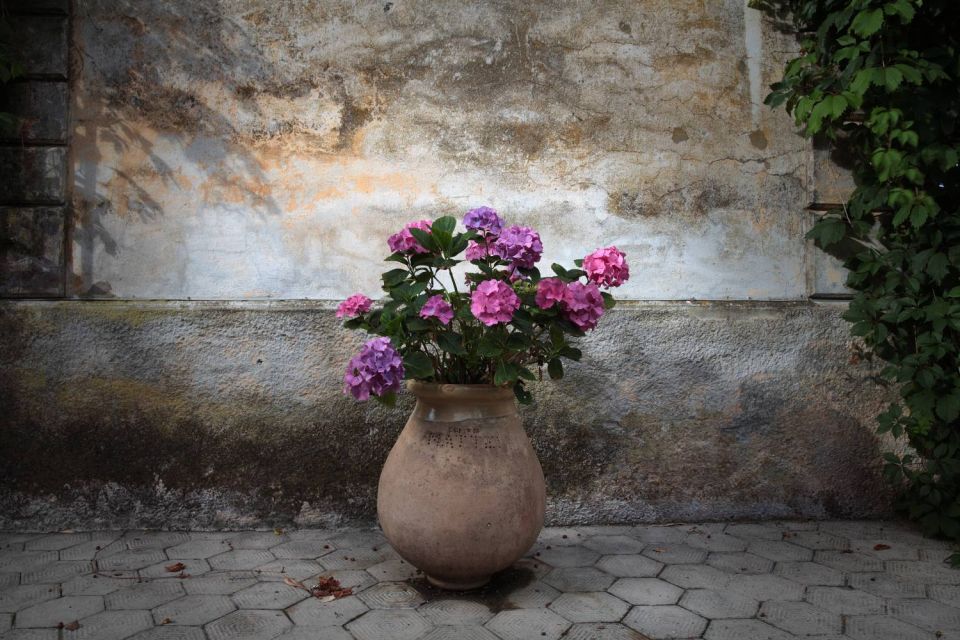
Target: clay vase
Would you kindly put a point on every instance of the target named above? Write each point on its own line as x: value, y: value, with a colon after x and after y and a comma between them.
x: 461, y: 495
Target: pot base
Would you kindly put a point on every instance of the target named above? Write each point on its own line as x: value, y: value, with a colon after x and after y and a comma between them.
x: 452, y: 585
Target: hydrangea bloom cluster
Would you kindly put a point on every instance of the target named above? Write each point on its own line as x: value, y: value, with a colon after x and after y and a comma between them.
x: 494, y: 302
x: 607, y: 267
x: 483, y: 220
x: 437, y: 307
x: 583, y: 305
x: 376, y: 370
x: 520, y: 246
x: 477, y: 250
x: 549, y: 292
x: 403, y: 241
x: 354, y: 306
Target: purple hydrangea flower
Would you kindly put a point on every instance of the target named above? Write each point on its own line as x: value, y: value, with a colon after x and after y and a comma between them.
x: 520, y: 246
x: 477, y: 250
x: 437, y: 307
x: 483, y: 219
x: 583, y: 305
x: 549, y: 292
x: 377, y: 370
x: 354, y: 306
x: 403, y: 241
x: 493, y: 302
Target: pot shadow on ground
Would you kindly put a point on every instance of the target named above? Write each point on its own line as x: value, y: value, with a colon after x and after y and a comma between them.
x: 495, y: 595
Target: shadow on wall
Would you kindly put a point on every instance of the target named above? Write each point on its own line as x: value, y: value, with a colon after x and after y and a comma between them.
x: 128, y: 99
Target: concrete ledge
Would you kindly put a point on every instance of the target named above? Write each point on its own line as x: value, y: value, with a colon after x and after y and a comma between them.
x: 179, y: 414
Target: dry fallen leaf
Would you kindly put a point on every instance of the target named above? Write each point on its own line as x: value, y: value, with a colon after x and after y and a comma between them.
x: 659, y: 549
x: 174, y: 568
x: 73, y: 626
x: 166, y: 621
x: 327, y: 598
x: 880, y: 547
x: 290, y: 582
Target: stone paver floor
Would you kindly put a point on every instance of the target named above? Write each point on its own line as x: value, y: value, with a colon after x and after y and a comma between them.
x: 740, y: 581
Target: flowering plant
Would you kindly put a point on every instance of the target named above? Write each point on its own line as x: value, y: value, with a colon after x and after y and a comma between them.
x: 490, y: 327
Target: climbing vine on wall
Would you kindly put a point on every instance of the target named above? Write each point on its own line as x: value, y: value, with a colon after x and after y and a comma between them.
x: 878, y: 79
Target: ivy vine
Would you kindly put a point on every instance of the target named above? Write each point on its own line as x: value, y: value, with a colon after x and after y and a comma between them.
x: 878, y: 80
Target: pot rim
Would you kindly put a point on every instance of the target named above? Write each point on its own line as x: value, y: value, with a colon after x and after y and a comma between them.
x: 469, y: 392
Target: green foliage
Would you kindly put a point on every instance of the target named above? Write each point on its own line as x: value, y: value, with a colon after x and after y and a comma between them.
x: 466, y: 351
x: 879, y: 80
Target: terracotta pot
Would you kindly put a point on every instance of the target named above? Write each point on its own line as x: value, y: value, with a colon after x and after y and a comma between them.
x: 461, y: 495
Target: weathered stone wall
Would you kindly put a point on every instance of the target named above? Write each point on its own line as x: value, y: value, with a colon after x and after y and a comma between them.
x: 226, y: 414
x: 247, y: 150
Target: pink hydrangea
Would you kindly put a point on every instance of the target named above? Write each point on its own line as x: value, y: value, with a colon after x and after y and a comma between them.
x: 583, y: 305
x: 494, y: 302
x: 403, y: 241
x: 437, y: 307
x: 354, y: 306
x: 607, y: 267
x: 549, y: 292
x: 376, y: 370
x: 477, y: 250
x: 520, y: 246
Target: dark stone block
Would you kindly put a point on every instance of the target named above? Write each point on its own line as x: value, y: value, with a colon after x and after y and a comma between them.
x: 33, y: 175
x: 41, y: 44
x: 42, y: 109
x: 38, y: 6
x: 31, y: 251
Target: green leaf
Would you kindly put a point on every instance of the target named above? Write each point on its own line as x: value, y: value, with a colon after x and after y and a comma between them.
x: 424, y: 238
x: 418, y: 365
x: 867, y: 22
x: 827, y: 232
x: 451, y: 342
x: 489, y: 346
x: 446, y: 225
x: 504, y: 374
x: 948, y: 407
x: 609, y: 302
x: 394, y: 277
x: 555, y: 369
x: 388, y: 399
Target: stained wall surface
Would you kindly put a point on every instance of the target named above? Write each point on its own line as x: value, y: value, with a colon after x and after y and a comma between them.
x: 192, y: 170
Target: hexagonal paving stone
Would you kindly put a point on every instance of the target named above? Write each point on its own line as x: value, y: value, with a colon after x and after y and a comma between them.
x: 53, y: 612
x: 450, y: 612
x: 356, y: 558
x: 6, y: 621
x: 535, y: 595
x: 847, y: 561
x: 111, y: 625
x: 646, y: 591
x: 779, y: 551
x: 145, y: 595
x: 359, y: 538
x: 313, y: 613
x: 605, y: 530
x: 293, y: 568
x: 579, y: 579
x: 268, y: 595
x: 675, y: 554
x: 926, y: 614
x: 250, y: 624
x: 695, y: 576
x: 154, y: 539
x: 560, y: 537
x: 198, y: 549
x: 740, y: 563
x: 393, y: 570
x: 744, y: 630
x: 883, y: 628
x: 886, y: 585
x: 9, y: 580
x: 220, y: 582
x: 192, y: 567
x: 56, y: 572
x: 589, y: 607
x: 312, y: 633
x: 750, y: 531
x: 719, y: 604
x: 12, y: 561
x: 13, y: 599
x: 348, y: 579
x: 131, y: 560
x: 609, y: 545
x: 800, y: 618
x: 256, y: 540
x: 460, y: 632
x: 765, y: 586
x: 193, y: 610
x: 171, y: 633
x: 31, y: 634
x: 573, y: 556
x: 923, y: 572
x: 241, y: 559
x: 844, y: 600
x: 303, y: 549
x: 660, y: 535
x: 57, y: 541
x: 817, y: 540
x: 601, y: 631
x: 528, y: 623
x: 534, y: 566
x: 389, y: 625
x: 669, y: 621
x: 885, y: 549
x: 716, y: 542
x: 809, y: 573
x: 391, y: 595
x: 630, y: 566
x: 945, y: 593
